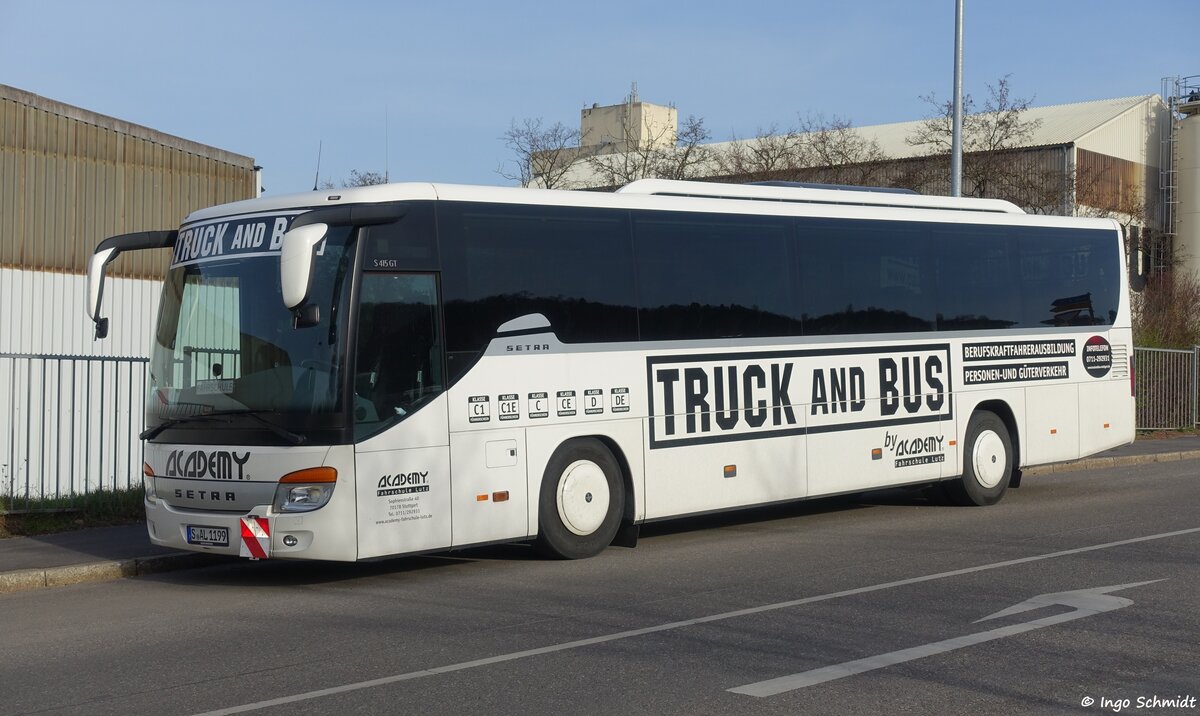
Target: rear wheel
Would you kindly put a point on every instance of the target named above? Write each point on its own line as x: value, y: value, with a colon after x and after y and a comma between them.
x: 581, y: 500
x: 987, y: 462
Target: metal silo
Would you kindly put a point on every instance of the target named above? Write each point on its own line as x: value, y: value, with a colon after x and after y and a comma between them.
x: 1187, y: 198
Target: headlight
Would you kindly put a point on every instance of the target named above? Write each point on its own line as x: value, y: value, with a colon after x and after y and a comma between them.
x: 305, y: 490
x: 148, y: 483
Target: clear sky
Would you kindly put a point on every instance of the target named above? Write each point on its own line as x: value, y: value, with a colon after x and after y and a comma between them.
x: 273, y: 79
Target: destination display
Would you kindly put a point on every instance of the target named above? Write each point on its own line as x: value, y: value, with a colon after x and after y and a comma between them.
x: 242, y: 237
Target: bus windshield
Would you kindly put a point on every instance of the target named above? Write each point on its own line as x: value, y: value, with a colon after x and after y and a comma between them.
x: 226, y: 346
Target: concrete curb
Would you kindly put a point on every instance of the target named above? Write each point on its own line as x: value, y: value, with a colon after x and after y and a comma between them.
x: 1100, y: 463
x: 26, y: 579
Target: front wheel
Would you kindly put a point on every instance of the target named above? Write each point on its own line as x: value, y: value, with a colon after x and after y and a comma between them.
x: 581, y: 500
x: 987, y: 462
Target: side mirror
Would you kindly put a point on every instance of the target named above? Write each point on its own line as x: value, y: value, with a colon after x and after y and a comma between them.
x: 1138, y: 260
x: 108, y: 250
x: 296, y: 262
x: 95, y: 288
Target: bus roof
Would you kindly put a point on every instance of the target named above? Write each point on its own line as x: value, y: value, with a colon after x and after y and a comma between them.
x: 662, y: 194
x: 828, y: 194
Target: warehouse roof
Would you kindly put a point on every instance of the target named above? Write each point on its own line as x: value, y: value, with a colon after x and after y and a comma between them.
x: 120, y: 126
x: 1056, y: 124
x: 1053, y: 125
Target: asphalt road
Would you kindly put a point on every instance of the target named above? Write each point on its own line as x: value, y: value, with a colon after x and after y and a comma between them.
x: 854, y: 605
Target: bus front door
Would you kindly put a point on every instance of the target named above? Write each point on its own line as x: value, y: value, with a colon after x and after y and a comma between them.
x: 402, y: 451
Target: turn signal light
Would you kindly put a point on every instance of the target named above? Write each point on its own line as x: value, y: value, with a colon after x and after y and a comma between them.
x: 501, y: 496
x: 305, y: 490
x: 148, y: 483
x: 310, y: 475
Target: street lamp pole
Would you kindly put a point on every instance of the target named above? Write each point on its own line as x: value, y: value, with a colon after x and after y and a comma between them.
x: 956, y: 131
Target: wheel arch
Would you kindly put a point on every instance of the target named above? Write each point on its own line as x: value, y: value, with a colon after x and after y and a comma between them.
x: 629, y: 511
x: 1004, y: 411
x: 623, y: 440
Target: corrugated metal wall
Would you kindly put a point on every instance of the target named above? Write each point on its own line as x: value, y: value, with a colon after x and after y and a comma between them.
x: 1111, y: 184
x: 70, y: 178
x: 1133, y: 136
x: 47, y: 314
x: 1117, y: 162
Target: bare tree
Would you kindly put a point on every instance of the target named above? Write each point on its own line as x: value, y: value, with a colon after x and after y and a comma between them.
x: 1166, y: 313
x: 365, y: 178
x: 838, y: 153
x: 767, y: 155
x: 543, y: 155
x: 655, y: 151
x: 989, y: 138
x: 817, y: 150
x: 357, y: 178
x: 614, y: 167
x: 686, y: 157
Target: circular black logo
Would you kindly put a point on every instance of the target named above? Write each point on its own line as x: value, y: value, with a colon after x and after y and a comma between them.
x: 1097, y: 357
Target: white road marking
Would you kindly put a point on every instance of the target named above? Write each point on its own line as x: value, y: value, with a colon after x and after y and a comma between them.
x: 553, y: 648
x: 1087, y: 602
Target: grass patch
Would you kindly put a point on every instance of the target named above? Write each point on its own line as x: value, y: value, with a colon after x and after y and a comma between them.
x: 1166, y: 434
x: 101, y: 508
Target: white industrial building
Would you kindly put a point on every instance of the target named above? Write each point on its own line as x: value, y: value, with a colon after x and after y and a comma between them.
x: 71, y: 407
x: 1134, y: 158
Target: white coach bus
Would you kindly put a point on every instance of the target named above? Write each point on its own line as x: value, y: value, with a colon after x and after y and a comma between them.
x: 413, y: 367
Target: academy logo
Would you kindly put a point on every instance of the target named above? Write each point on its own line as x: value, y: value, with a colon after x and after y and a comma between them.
x: 217, y: 464
x: 403, y: 483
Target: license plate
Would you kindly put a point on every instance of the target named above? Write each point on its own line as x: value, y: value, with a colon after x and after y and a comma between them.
x: 208, y: 536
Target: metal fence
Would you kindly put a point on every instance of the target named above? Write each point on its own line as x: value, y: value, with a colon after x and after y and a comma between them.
x: 70, y: 424
x: 1165, y: 381
x: 70, y: 427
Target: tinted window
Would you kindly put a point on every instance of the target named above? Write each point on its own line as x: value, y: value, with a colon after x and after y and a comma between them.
x: 704, y: 276
x: 410, y: 243
x: 976, y: 266
x: 713, y: 276
x: 399, y: 356
x: 865, y: 277
x: 1068, y: 278
x: 570, y: 264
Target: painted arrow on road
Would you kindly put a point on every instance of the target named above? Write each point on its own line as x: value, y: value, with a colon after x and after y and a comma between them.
x: 1084, y: 603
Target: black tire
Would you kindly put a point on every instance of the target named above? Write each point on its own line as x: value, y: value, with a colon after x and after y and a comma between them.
x: 571, y: 523
x: 987, y: 461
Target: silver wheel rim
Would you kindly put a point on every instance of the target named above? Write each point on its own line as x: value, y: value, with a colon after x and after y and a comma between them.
x: 582, y: 497
x: 988, y: 459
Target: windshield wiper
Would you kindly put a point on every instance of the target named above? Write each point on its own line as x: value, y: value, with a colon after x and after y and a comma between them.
x: 293, y: 438
x: 226, y: 416
x: 151, y: 433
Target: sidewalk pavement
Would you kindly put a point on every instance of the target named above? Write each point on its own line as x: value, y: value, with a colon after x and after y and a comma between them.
x: 108, y: 553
